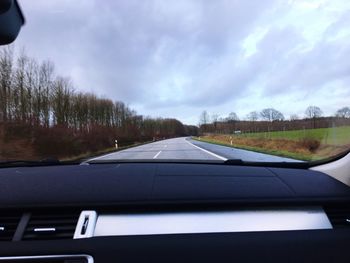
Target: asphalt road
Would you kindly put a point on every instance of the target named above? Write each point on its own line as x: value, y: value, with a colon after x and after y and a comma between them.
x: 186, y: 148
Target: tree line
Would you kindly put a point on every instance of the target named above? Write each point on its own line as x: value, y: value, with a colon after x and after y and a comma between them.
x: 271, y: 114
x: 33, y: 95
x: 270, y: 119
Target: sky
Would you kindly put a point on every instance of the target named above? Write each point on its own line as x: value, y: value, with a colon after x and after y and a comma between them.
x: 168, y: 58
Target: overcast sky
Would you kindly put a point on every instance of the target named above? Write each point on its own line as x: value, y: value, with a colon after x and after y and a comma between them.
x: 178, y: 58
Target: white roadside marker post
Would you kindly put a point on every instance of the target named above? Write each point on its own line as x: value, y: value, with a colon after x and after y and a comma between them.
x: 116, y: 144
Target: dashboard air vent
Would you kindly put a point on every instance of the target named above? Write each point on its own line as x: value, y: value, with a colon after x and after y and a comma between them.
x: 51, y: 226
x: 339, y: 216
x: 8, y: 226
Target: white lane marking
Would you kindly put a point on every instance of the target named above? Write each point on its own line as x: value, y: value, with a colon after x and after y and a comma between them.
x: 155, y: 157
x: 206, y: 151
x: 117, y: 152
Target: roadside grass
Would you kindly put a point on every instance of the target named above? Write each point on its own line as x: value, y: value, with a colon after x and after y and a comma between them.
x: 307, y: 145
x: 282, y: 153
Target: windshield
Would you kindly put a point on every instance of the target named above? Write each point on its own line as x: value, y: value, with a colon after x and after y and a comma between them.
x: 262, y: 81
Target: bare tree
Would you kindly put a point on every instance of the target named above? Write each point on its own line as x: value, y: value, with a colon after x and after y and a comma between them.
x: 294, y: 117
x: 6, y: 57
x: 61, y: 100
x: 203, y: 121
x: 231, y: 121
x: 31, y: 89
x: 214, y: 120
x: 271, y: 114
x: 343, y: 112
x: 204, y: 118
x: 20, y: 92
x: 253, y: 116
x: 34, y: 88
x: 232, y: 117
x: 46, y: 81
x: 313, y: 112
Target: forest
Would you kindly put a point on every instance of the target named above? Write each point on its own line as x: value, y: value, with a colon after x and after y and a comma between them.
x: 42, y: 115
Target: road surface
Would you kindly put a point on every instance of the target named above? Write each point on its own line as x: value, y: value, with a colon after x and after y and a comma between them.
x: 186, y: 148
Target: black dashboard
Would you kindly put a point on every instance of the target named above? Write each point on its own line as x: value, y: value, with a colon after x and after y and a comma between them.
x: 45, y: 198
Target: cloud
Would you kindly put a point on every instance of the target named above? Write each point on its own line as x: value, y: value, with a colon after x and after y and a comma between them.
x: 175, y: 58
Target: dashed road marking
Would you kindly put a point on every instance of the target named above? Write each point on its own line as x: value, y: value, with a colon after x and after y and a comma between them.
x: 155, y: 157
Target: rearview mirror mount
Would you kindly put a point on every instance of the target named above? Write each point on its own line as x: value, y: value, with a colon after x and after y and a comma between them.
x: 11, y: 21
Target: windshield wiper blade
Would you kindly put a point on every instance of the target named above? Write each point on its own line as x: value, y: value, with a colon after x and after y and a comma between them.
x: 299, y: 165
x: 234, y: 162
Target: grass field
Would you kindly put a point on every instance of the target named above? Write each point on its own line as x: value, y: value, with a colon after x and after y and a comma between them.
x: 330, y: 136
x: 298, y: 144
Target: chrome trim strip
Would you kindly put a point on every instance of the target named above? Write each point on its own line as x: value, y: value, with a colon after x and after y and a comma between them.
x: 271, y: 219
x: 89, y: 258
x: 47, y: 229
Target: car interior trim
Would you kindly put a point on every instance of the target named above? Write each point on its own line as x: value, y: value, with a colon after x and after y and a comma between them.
x: 273, y: 219
x: 46, y: 257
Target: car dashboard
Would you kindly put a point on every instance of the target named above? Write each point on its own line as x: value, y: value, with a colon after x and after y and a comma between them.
x: 132, y: 212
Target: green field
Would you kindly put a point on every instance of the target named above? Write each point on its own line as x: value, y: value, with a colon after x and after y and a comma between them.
x: 294, y: 144
x: 329, y: 136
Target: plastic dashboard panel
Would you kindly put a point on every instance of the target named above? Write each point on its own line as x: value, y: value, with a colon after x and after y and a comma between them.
x: 148, y: 184
x: 169, y: 187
